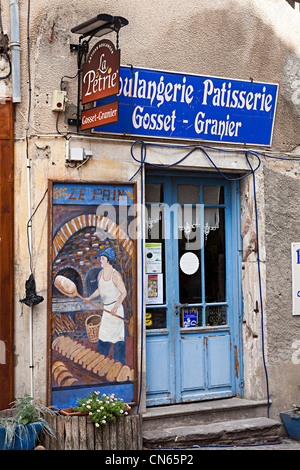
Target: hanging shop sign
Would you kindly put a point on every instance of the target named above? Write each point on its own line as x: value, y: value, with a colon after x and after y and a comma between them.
x: 101, y: 72
x: 161, y: 104
x: 92, y: 292
x: 100, y: 79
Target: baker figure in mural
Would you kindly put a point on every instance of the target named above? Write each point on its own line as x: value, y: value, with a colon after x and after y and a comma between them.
x: 112, y: 291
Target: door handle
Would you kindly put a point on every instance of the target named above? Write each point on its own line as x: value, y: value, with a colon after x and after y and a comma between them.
x: 177, y: 308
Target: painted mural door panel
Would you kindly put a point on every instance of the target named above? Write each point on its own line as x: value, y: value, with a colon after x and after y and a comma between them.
x: 192, y: 320
x: 92, y: 306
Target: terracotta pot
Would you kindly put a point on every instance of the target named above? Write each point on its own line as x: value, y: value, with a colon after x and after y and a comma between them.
x: 71, y: 412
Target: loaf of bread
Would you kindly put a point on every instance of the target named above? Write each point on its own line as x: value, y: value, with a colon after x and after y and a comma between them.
x: 88, y: 359
x: 65, y: 285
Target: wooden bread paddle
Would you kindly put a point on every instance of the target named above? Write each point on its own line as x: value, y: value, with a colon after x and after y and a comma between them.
x: 67, y: 287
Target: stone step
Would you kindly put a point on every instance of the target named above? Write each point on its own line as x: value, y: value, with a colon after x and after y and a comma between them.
x: 203, y: 412
x: 249, y: 431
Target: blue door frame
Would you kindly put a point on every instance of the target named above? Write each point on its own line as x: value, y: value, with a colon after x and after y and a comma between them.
x: 204, y: 361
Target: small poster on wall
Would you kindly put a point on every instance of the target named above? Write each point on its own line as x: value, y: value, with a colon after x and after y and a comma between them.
x: 92, y: 296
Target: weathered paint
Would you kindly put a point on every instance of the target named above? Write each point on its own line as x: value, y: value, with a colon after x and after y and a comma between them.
x: 236, y: 361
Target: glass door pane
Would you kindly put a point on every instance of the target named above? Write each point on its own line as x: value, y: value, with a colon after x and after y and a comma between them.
x: 155, y: 257
x: 213, y: 195
x: 214, y: 254
x: 189, y: 254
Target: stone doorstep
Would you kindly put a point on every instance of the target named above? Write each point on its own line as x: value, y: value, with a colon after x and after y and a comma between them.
x: 234, y: 432
x: 202, y: 412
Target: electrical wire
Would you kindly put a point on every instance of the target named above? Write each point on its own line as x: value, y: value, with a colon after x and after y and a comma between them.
x: 27, y: 137
x: 191, y: 149
x: 67, y: 76
x: 143, y: 161
x: 27, y: 127
x: 29, y: 72
x: 260, y: 286
x: 142, y: 282
x: 203, y: 148
x: 31, y: 364
x: 41, y: 200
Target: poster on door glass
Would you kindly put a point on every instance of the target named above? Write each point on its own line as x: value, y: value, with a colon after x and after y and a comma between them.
x: 92, y: 297
x: 189, y: 317
x: 153, y: 257
x: 154, y: 291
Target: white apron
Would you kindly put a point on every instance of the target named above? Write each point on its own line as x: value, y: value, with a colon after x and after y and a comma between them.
x: 111, y: 328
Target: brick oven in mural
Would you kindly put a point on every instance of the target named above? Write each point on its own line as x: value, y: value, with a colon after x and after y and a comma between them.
x: 92, y: 298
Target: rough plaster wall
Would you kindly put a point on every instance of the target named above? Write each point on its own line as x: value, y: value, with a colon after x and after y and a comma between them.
x: 282, y: 202
x: 230, y: 38
x: 277, y: 192
x: 254, y: 376
x: 237, y: 39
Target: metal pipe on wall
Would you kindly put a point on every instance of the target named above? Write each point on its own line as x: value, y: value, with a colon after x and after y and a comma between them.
x: 15, y: 51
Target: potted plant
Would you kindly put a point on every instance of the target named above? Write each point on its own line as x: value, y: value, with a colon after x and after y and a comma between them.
x: 291, y: 421
x: 100, y: 409
x: 21, y: 425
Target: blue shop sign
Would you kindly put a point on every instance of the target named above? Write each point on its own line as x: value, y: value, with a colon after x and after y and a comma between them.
x: 161, y: 104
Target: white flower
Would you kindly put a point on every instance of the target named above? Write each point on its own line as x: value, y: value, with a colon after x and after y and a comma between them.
x: 88, y: 406
x: 121, y: 411
x: 97, y: 424
x: 90, y: 413
x: 98, y: 411
x: 103, y: 421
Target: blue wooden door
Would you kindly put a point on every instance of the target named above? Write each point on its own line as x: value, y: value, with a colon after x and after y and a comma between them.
x: 193, y: 306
